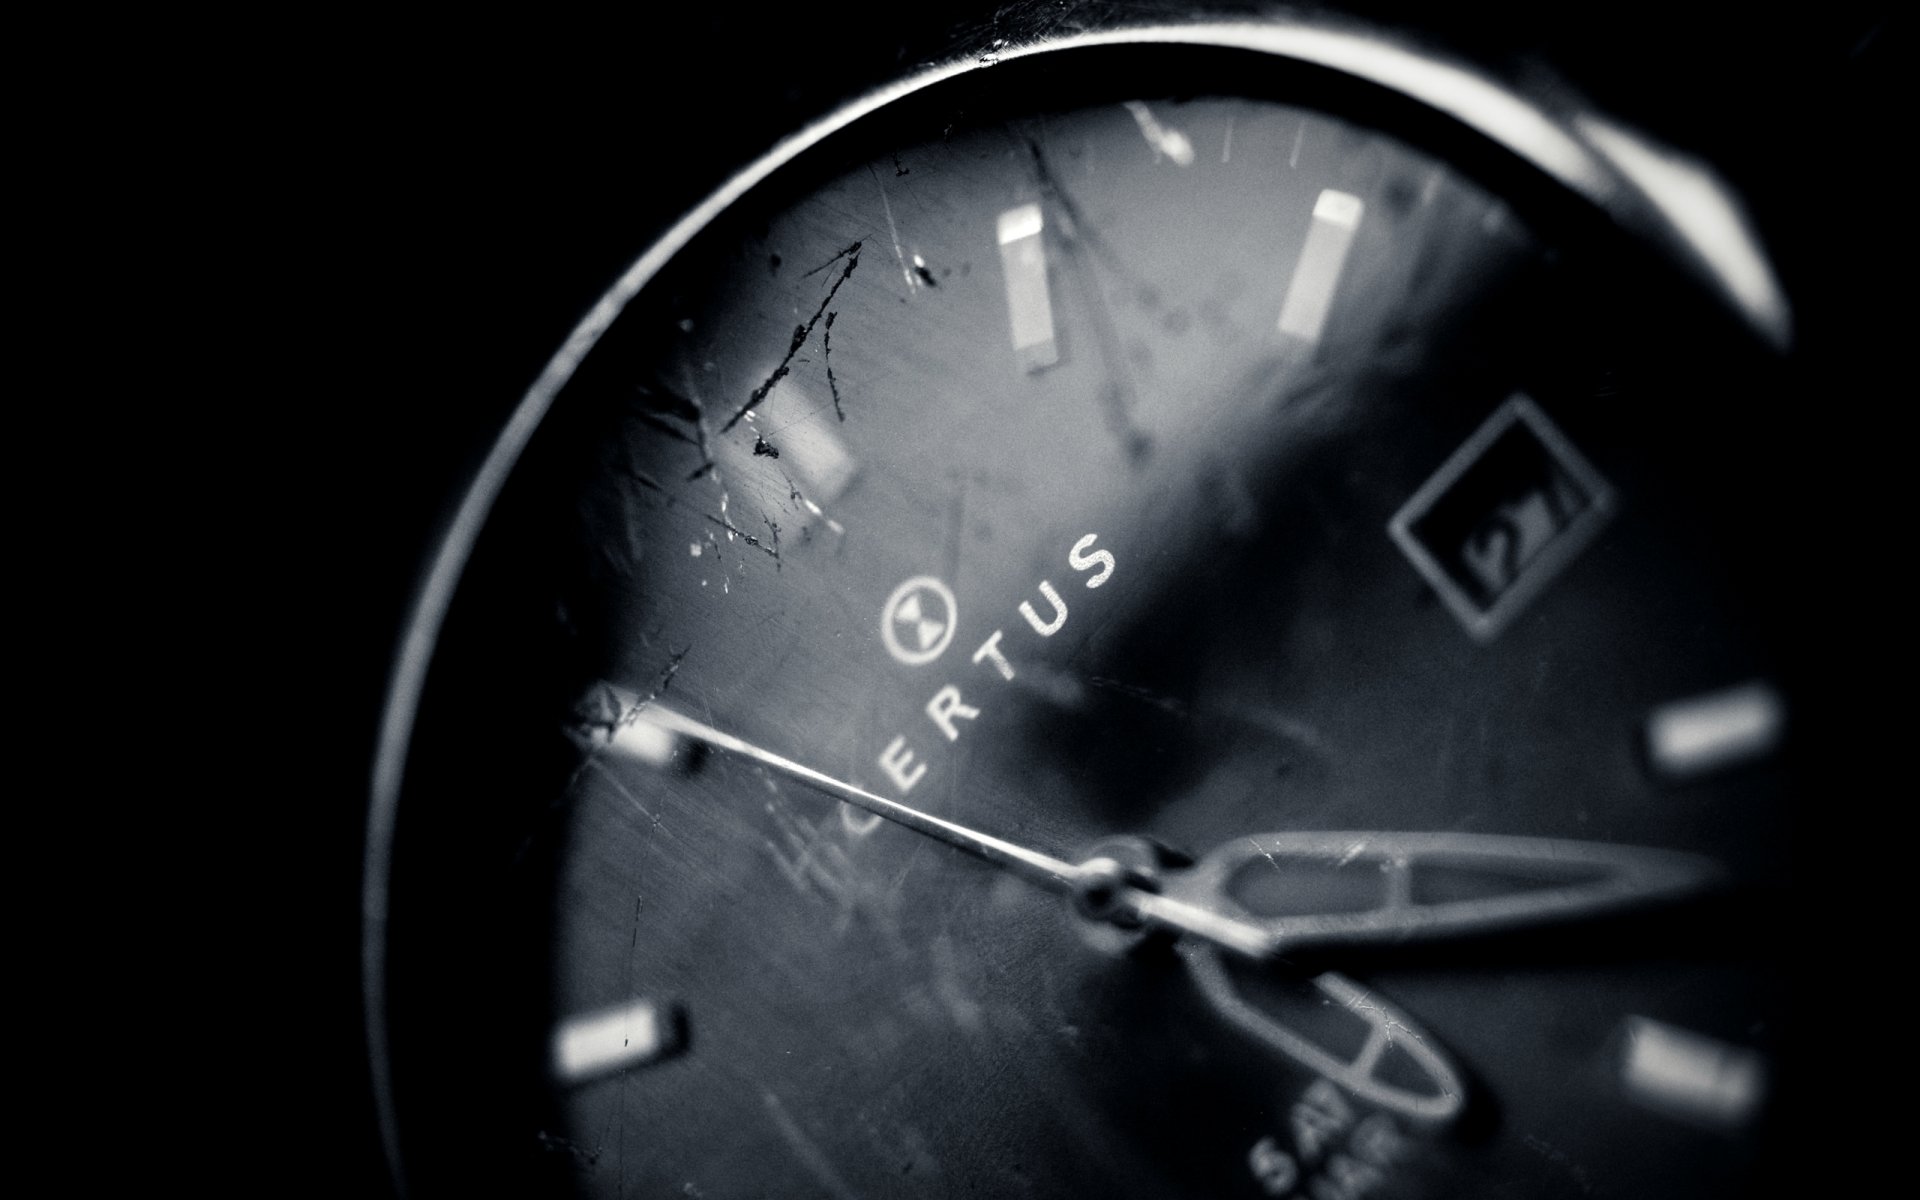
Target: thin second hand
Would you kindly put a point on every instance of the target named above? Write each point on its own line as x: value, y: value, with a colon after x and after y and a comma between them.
x: 1043, y: 868
x: 1040, y: 868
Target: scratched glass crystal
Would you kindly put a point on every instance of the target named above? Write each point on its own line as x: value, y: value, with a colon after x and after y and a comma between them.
x: 1080, y: 651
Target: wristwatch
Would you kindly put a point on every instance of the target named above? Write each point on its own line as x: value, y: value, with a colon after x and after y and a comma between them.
x: 1149, y: 603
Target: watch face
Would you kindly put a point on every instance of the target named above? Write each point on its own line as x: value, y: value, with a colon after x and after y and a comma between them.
x: 1140, y: 620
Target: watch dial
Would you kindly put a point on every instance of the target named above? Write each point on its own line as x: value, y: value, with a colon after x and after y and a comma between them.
x: 1250, y: 482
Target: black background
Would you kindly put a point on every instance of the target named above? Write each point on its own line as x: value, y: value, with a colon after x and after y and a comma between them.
x: 459, y: 195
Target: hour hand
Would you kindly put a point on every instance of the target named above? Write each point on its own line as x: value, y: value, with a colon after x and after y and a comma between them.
x: 1323, y: 891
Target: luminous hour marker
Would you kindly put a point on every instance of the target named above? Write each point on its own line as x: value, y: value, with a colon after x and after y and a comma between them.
x: 643, y: 741
x: 1701, y: 734
x: 1167, y: 142
x: 627, y: 727
x: 821, y: 465
x: 1024, y: 259
x: 1335, y: 217
x: 1691, y: 1076
x: 806, y: 438
x: 794, y: 429
x: 617, y: 1039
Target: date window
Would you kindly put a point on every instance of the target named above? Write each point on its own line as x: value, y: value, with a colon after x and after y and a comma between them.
x: 1502, y: 516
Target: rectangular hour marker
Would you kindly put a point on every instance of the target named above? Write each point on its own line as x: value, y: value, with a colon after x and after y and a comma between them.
x: 615, y: 718
x: 1023, y: 258
x: 1165, y: 141
x: 806, y: 438
x: 1336, y: 215
x: 793, y: 429
x: 617, y: 1039
x: 1502, y: 516
x: 1691, y: 1076
x: 641, y: 740
x: 1702, y: 734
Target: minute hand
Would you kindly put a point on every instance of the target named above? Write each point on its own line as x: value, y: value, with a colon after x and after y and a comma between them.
x: 1332, y: 890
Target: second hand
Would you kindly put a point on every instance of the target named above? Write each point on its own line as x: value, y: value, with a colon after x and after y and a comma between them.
x: 1044, y: 869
